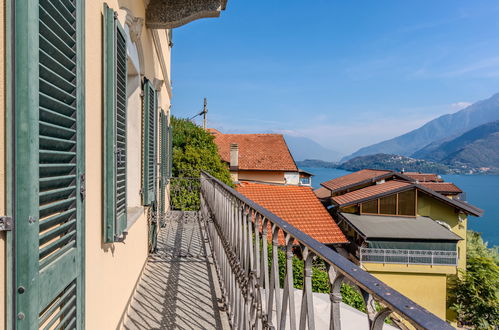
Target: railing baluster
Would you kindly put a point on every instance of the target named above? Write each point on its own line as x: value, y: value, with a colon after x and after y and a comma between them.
x: 275, y: 287
x: 335, y: 281
x: 307, y: 304
x: 288, y: 298
x: 265, y: 268
x: 239, y: 241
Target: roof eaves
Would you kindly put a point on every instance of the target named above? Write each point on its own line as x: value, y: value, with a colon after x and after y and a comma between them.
x: 383, y: 194
x: 374, y: 179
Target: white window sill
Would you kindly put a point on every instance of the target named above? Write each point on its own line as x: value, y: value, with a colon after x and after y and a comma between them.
x: 132, y: 215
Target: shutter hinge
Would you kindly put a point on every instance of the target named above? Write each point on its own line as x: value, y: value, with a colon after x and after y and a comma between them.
x: 82, y: 185
x: 6, y: 223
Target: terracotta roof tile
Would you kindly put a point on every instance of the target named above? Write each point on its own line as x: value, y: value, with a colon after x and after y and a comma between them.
x: 257, y: 151
x: 370, y: 191
x: 297, y: 205
x: 322, y: 193
x: 442, y: 187
x: 354, y: 178
x: 424, y: 177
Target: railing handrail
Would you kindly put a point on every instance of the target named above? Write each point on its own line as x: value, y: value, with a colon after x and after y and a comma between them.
x: 412, y: 312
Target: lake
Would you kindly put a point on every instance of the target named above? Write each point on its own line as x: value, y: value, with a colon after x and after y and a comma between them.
x: 481, y: 191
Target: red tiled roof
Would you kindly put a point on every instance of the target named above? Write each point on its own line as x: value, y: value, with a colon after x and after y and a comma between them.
x: 370, y: 191
x: 322, y: 193
x: 298, y: 206
x: 354, y: 178
x: 424, y: 177
x: 213, y: 131
x: 442, y: 187
x: 257, y: 151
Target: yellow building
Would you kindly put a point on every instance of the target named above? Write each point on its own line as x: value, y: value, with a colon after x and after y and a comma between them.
x: 403, y: 231
x: 85, y: 93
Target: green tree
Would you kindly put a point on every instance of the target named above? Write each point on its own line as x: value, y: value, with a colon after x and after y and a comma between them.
x: 193, y: 151
x: 475, y: 295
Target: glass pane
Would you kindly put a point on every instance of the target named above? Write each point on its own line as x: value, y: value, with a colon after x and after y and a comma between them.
x: 370, y: 207
x: 407, y: 203
x: 388, y: 205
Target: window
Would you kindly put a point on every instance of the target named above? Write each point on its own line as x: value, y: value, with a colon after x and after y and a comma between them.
x: 370, y: 207
x: 149, y: 121
x: 403, y: 203
x: 407, y: 203
x: 388, y: 205
x: 115, y: 128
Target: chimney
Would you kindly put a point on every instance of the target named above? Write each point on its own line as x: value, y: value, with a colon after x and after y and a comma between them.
x: 234, y: 156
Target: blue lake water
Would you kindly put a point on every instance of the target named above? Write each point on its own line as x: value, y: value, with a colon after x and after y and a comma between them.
x: 481, y: 191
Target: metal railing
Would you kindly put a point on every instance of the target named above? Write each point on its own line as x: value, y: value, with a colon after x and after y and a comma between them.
x: 246, y: 239
x: 406, y: 256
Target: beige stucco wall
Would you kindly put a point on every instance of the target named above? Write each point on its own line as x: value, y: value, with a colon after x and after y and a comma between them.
x: 112, y: 270
x: 265, y: 176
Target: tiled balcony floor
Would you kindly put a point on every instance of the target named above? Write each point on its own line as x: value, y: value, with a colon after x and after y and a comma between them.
x: 179, y: 287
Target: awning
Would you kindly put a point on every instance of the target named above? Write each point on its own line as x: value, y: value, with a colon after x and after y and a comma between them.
x: 391, y: 227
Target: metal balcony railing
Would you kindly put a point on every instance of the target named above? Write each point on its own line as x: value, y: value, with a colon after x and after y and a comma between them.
x: 403, y: 256
x: 245, y: 240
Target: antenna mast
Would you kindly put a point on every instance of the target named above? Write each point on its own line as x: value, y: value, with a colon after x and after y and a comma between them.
x: 205, y: 111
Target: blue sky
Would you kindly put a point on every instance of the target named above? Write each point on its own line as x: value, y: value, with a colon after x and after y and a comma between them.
x: 343, y: 73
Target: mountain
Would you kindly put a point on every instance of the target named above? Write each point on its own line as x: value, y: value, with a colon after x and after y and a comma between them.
x: 304, y: 148
x: 395, y: 163
x: 438, y: 130
x: 316, y: 163
x: 477, y: 148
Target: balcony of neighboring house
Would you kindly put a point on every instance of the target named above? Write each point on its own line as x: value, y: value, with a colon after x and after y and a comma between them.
x: 223, y: 261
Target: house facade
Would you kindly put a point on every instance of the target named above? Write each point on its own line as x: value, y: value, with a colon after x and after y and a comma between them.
x: 84, y: 159
x: 259, y: 158
x: 403, y: 231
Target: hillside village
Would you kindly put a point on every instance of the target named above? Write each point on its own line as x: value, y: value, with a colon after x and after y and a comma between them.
x: 406, y: 228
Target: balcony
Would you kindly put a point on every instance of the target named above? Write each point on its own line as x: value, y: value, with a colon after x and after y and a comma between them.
x: 217, y: 266
x: 409, y: 257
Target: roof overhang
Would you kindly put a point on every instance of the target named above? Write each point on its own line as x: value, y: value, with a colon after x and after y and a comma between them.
x: 371, y: 180
x: 169, y: 14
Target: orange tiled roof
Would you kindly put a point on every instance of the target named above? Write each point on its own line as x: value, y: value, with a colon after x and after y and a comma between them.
x: 442, y: 187
x: 354, y: 178
x: 322, y: 193
x: 371, y: 191
x: 298, y: 206
x: 424, y: 177
x: 257, y: 151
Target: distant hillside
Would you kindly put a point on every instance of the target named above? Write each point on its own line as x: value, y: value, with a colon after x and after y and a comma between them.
x: 304, y: 148
x: 443, y: 127
x: 477, y: 148
x: 316, y: 163
x: 394, y: 162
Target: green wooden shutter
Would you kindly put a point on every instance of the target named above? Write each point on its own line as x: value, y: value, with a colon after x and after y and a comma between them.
x: 48, y: 203
x: 170, y: 151
x: 164, y: 164
x: 115, y: 127
x: 149, y: 144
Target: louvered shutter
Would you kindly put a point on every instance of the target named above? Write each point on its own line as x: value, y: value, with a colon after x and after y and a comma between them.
x: 170, y: 151
x: 48, y: 203
x: 164, y: 163
x: 149, y: 144
x: 115, y: 127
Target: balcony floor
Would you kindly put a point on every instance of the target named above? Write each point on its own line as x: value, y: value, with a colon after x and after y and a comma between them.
x: 179, y: 286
